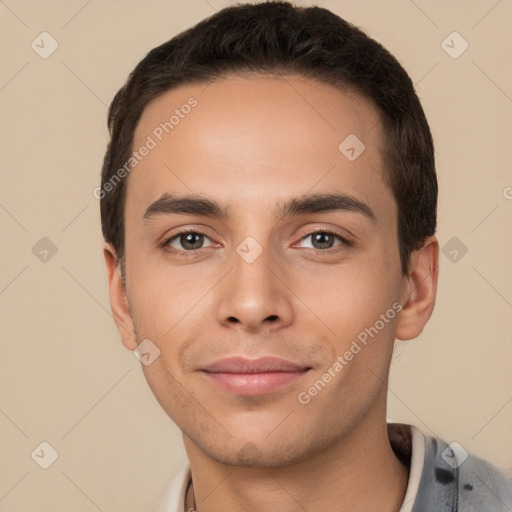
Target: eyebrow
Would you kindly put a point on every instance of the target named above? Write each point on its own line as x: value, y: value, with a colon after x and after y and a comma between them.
x: 312, y: 203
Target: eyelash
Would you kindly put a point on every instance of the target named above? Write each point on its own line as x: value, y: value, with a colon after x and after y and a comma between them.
x: 322, y: 252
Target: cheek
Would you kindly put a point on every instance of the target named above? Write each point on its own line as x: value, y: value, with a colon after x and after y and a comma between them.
x: 355, y: 302
x: 163, y: 296
x: 170, y: 392
x: 171, y: 307
x: 349, y: 297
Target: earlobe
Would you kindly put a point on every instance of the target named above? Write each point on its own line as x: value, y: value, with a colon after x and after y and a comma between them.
x: 419, y: 290
x: 118, y: 300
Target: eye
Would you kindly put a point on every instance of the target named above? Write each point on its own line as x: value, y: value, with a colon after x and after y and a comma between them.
x: 186, y: 241
x: 191, y: 241
x: 322, y: 240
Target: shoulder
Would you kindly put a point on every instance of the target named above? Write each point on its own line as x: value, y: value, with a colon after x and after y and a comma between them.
x: 486, y: 485
x: 454, y: 479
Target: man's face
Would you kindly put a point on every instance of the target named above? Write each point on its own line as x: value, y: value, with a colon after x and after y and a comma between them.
x: 251, y: 145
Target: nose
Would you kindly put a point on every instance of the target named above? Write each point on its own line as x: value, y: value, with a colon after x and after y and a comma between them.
x: 255, y: 296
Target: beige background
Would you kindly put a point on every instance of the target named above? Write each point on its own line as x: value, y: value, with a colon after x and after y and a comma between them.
x: 65, y: 377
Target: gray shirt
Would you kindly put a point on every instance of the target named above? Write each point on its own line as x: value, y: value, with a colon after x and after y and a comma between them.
x: 453, y: 480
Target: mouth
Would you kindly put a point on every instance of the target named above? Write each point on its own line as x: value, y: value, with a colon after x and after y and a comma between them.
x: 251, y: 377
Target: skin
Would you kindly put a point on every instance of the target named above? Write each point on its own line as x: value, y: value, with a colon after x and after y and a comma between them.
x: 251, y: 143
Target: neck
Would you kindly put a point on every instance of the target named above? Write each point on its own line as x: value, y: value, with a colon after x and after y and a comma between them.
x: 359, y: 472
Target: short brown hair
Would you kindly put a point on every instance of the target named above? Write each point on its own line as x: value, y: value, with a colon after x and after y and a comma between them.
x: 277, y: 37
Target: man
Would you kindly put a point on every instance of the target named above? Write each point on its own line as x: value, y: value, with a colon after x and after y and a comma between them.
x: 268, y: 203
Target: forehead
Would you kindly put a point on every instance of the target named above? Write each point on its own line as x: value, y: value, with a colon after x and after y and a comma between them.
x: 245, y: 140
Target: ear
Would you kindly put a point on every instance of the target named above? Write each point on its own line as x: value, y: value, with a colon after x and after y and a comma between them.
x: 419, y: 289
x: 118, y: 300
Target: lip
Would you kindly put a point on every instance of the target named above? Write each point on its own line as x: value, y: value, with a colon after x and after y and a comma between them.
x: 252, y: 377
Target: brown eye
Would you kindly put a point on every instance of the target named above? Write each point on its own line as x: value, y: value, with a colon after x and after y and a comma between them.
x: 323, y: 240
x: 186, y: 241
x: 191, y: 241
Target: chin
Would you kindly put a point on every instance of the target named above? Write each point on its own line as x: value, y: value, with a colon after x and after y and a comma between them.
x: 247, y: 451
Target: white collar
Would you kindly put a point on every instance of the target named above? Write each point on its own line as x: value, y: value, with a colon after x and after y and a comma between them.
x: 417, y: 460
